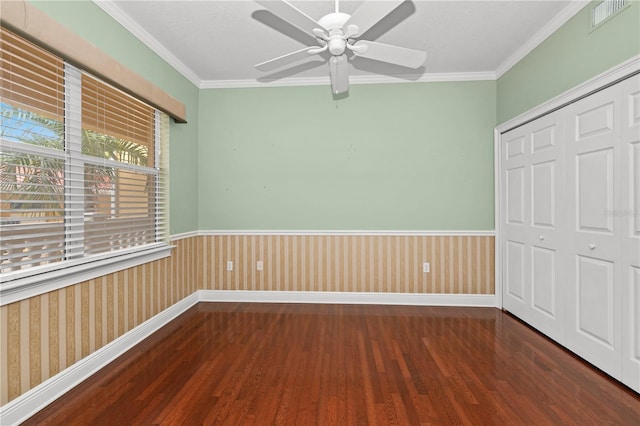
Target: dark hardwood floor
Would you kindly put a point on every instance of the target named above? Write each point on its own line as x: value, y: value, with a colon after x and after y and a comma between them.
x: 240, y: 363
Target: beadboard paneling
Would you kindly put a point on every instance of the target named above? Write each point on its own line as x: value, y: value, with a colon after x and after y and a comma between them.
x: 352, y: 263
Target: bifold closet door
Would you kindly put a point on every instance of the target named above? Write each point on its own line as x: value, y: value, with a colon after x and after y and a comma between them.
x: 533, y: 181
x: 570, y: 227
x: 594, y: 193
x: 630, y: 221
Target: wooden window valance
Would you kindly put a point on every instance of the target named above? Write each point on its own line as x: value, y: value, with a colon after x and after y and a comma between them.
x: 30, y: 22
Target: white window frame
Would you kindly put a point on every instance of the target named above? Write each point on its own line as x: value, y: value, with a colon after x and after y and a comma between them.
x: 30, y: 282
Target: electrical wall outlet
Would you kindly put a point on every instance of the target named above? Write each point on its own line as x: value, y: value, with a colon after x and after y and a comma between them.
x: 259, y: 265
x: 425, y: 267
x: 229, y: 265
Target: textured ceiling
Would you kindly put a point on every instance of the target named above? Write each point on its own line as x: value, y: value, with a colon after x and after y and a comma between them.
x: 213, y: 42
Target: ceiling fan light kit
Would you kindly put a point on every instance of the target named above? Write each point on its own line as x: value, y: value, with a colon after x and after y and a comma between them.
x: 337, y: 32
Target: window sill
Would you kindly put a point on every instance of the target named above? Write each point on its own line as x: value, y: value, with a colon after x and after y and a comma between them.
x: 34, y: 285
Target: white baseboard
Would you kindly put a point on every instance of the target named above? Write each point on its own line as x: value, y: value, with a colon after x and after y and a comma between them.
x: 32, y: 401
x: 356, y: 298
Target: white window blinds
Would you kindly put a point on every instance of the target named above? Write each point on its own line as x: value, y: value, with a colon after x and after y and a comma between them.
x: 120, y: 181
x: 81, y: 165
x: 32, y: 177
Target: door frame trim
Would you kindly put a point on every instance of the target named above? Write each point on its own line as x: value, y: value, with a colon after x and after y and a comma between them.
x: 601, y: 81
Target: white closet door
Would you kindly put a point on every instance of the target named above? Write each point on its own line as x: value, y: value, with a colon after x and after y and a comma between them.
x: 547, y: 238
x: 516, y: 218
x: 594, y: 195
x: 533, y: 247
x: 630, y: 217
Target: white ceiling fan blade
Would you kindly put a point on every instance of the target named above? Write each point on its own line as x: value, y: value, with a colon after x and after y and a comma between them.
x: 392, y: 54
x: 287, y: 59
x: 338, y: 70
x: 370, y: 13
x: 291, y: 14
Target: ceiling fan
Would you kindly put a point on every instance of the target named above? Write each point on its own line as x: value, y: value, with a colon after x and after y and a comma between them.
x: 338, y: 32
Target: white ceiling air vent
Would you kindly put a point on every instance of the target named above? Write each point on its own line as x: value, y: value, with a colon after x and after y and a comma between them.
x: 604, y: 10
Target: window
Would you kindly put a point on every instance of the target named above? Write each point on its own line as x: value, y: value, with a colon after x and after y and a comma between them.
x: 83, y: 169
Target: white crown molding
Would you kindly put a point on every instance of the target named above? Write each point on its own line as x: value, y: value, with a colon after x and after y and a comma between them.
x: 201, y: 233
x: 354, y: 79
x: 132, y: 26
x: 559, y: 20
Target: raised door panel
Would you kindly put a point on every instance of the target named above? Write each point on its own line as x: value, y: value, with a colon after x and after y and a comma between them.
x: 629, y: 212
x: 516, y: 290
x: 596, y: 120
x: 543, y: 190
x: 515, y: 257
x: 544, y: 137
x: 593, y: 191
x: 596, y: 324
x: 514, y: 147
x: 595, y: 301
x: 515, y: 196
x: 543, y: 281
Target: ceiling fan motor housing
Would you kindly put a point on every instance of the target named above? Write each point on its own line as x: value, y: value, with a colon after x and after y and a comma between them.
x: 333, y: 23
x: 337, y: 44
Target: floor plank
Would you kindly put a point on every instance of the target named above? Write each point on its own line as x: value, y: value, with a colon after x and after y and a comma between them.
x: 248, y: 363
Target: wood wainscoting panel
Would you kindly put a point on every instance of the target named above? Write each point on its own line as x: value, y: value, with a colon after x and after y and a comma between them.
x: 43, y: 335
x: 459, y: 264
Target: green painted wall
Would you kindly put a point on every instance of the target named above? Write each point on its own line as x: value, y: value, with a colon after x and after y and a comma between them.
x: 567, y: 58
x: 414, y: 156
x: 96, y: 26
